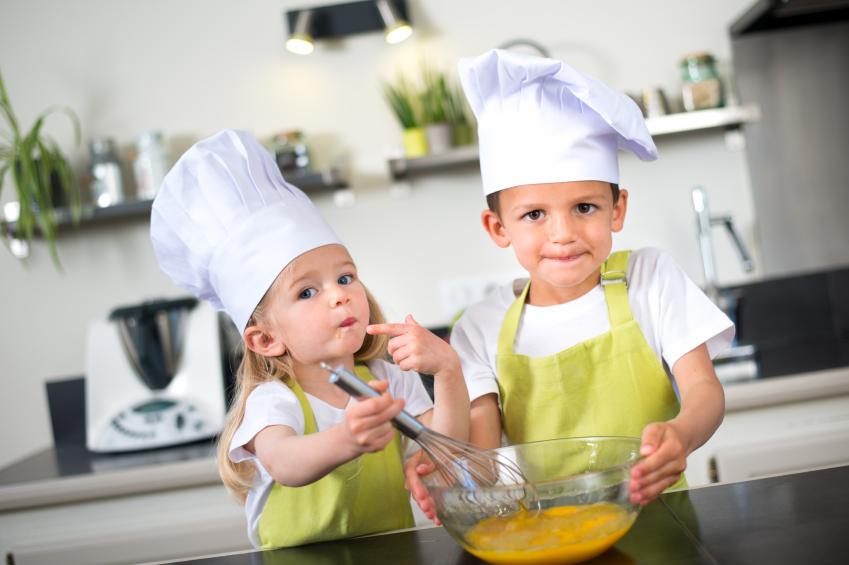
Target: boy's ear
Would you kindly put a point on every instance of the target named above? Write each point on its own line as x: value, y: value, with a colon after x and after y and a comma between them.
x: 619, y: 210
x: 263, y: 343
x: 493, y: 226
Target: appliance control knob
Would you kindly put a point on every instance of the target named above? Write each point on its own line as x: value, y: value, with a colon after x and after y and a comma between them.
x: 181, y: 421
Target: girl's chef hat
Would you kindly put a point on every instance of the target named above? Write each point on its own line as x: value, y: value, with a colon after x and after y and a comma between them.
x: 541, y: 121
x: 225, y: 223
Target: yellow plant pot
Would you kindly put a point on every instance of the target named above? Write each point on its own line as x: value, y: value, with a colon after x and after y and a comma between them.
x: 415, y: 143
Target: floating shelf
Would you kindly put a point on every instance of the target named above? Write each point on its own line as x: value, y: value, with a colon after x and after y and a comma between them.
x: 89, y: 213
x: 664, y: 125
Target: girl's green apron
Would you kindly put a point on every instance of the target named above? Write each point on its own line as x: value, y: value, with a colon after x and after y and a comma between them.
x: 361, y: 497
x: 610, y: 385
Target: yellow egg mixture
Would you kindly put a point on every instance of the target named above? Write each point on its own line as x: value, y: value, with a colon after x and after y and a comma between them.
x: 567, y: 534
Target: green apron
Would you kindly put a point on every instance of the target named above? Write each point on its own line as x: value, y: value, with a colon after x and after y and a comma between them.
x: 609, y: 385
x: 360, y: 497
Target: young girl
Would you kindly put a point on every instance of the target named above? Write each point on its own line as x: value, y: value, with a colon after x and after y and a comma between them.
x: 309, y: 462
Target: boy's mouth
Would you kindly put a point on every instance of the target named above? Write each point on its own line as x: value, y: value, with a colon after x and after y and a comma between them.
x: 348, y: 322
x: 564, y: 258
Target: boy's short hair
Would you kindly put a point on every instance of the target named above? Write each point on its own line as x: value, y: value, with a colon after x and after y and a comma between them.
x: 492, y: 200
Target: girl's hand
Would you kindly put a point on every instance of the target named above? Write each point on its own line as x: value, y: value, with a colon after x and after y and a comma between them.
x: 420, y: 464
x: 368, y: 423
x: 416, y: 349
x: 666, y: 458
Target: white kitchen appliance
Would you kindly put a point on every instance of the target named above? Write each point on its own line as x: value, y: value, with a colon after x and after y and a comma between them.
x: 154, y: 376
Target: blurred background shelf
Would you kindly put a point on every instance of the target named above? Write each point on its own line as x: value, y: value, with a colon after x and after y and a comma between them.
x: 673, y: 123
x: 89, y: 213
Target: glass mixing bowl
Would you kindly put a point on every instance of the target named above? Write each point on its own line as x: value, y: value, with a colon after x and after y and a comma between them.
x: 576, y: 505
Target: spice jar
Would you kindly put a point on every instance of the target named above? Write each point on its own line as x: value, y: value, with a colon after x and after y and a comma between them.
x: 290, y: 151
x: 150, y: 165
x: 701, y: 87
x: 107, y: 187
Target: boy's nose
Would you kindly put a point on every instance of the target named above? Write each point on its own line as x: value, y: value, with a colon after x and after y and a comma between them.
x: 561, y: 230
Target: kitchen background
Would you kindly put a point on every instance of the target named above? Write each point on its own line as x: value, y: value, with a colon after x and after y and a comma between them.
x: 190, y: 68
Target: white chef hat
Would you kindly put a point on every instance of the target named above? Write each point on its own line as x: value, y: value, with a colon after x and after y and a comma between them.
x: 541, y: 121
x: 225, y: 223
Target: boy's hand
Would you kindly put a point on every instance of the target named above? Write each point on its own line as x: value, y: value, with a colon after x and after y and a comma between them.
x: 665, y: 459
x: 420, y: 464
x: 416, y: 349
x: 368, y: 423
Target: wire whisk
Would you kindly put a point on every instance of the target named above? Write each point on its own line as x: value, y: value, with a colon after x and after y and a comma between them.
x: 458, y: 462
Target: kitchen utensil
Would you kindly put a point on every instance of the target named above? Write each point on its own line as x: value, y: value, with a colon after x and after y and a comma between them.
x: 581, y: 502
x: 154, y: 376
x: 457, y: 462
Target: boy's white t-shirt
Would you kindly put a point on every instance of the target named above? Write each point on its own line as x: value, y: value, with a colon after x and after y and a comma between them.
x: 273, y: 404
x: 674, y: 315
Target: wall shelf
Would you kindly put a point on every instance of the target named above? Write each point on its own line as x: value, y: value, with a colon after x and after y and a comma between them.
x: 731, y: 116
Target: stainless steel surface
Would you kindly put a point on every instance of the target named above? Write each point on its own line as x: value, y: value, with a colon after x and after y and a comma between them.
x: 797, y: 153
x: 705, y: 222
x: 457, y: 462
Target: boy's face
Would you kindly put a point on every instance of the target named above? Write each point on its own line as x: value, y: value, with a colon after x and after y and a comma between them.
x: 561, y: 234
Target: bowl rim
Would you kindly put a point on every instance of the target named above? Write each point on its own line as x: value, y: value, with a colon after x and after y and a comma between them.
x: 609, y: 470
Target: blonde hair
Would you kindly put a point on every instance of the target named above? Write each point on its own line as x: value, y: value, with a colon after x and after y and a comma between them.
x: 256, y: 370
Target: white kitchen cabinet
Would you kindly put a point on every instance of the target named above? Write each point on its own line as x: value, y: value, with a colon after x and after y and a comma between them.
x: 775, y: 426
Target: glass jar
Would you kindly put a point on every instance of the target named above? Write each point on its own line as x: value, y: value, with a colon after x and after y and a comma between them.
x: 290, y: 151
x: 150, y: 165
x: 701, y: 87
x: 107, y: 186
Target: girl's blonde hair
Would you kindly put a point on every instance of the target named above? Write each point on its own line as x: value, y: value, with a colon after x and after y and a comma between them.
x: 256, y: 370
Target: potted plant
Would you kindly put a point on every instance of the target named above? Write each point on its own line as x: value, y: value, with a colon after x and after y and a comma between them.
x: 434, y: 97
x: 36, y: 166
x: 403, y: 101
x: 456, y: 111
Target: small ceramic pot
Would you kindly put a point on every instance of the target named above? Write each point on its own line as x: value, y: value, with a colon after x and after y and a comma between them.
x: 415, y: 143
x: 440, y: 137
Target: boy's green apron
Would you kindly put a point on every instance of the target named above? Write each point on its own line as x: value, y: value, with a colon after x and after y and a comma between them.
x: 610, y: 385
x: 361, y: 497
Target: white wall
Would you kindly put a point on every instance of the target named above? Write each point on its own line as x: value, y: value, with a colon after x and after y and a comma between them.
x: 193, y: 67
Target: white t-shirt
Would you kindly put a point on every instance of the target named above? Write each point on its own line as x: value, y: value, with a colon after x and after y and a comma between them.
x: 273, y: 404
x: 674, y: 315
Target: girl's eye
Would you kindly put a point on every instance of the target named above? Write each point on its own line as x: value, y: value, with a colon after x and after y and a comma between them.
x: 584, y: 208
x: 307, y: 293
x: 535, y: 215
x: 345, y: 279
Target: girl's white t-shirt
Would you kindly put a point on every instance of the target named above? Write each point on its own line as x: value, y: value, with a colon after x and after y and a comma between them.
x: 674, y: 315
x: 274, y: 404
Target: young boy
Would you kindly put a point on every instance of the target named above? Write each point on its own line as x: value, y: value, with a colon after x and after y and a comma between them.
x: 585, y: 347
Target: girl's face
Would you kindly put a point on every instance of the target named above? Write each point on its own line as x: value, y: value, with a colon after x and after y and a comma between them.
x: 319, y: 310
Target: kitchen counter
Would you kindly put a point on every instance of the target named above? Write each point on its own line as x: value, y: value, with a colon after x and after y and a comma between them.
x: 798, y: 518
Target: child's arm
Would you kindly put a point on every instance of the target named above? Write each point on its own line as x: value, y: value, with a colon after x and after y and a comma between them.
x: 296, y: 461
x: 666, y: 445
x: 416, y: 349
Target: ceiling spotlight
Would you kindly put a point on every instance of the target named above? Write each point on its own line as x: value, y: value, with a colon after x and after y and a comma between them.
x: 397, y: 29
x: 300, y: 41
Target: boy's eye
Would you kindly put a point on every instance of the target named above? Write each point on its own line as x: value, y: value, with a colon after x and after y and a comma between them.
x: 535, y: 215
x: 345, y: 279
x: 584, y: 208
x: 307, y: 293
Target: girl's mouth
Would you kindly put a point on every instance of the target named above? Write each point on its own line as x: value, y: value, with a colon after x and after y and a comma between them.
x: 349, y: 321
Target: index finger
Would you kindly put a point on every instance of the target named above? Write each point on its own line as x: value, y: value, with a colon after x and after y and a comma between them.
x: 389, y: 329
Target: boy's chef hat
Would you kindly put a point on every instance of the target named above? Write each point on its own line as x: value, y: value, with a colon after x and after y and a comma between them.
x: 541, y: 121
x: 225, y: 223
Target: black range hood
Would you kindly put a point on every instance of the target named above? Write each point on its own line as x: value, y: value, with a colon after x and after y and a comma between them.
x: 779, y: 14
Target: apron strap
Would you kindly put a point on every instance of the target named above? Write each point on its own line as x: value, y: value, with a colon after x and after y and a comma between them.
x: 615, y: 287
x: 511, y: 323
x: 309, y: 418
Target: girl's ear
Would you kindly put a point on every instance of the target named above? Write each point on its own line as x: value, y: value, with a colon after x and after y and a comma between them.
x: 495, y: 228
x: 263, y: 343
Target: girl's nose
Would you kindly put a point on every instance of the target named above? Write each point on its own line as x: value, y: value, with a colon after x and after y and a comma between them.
x: 339, y: 296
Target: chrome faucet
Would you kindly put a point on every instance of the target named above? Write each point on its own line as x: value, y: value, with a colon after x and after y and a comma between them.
x: 705, y: 222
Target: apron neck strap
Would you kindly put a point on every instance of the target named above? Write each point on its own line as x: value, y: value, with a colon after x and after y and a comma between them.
x: 616, y: 288
x: 309, y: 418
x: 511, y: 323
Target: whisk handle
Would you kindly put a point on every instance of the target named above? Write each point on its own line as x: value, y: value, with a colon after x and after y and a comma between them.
x: 357, y: 388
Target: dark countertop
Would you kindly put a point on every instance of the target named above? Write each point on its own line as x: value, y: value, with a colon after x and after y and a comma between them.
x: 799, y: 518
